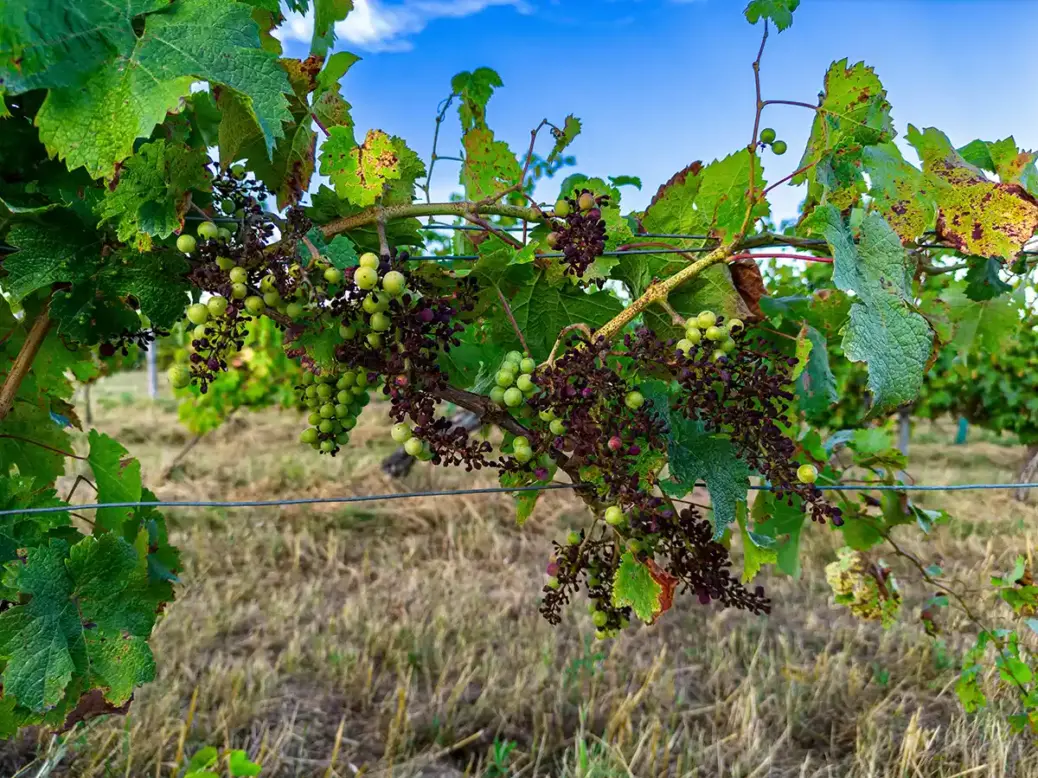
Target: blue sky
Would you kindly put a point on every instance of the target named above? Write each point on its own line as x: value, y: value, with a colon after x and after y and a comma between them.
x: 660, y: 83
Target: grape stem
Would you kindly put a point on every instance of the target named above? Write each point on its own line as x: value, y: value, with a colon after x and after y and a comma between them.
x: 675, y: 317
x: 562, y: 335
x: 41, y: 445
x: 23, y: 362
x: 404, y: 211
x: 511, y: 318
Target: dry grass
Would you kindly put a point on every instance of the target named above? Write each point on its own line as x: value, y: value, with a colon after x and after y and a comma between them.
x: 403, y: 639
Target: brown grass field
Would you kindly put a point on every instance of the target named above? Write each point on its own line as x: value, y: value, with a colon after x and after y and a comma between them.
x: 402, y: 638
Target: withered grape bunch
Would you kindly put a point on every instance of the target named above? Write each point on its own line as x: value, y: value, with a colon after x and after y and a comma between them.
x: 578, y: 230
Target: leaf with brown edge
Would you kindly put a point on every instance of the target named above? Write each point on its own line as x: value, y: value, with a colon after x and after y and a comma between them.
x: 668, y: 584
x: 750, y: 285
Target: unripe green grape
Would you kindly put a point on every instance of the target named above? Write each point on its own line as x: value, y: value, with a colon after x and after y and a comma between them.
x: 728, y: 346
x: 374, y: 340
x: 327, y: 446
x: 599, y: 618
x: 546, y: 415
x: 504, y: 378
x: 343, y: 396
x: 634, y: 400
x: 313, y: 402
x: 369, y: 259
x: 360, y: 379
x: 514, y: 356
x: 326, y: 378
x: 271, y: 299
x: 807, y: 474
x: 346, y: 380
x: 685, y: 345
x: 227, y: 205
x: 311, y: 391
x: 735, y: 326
x: 601, y: 635
x: 521, y: 441
x: 223, y: 234
x: 342, y: 438
x: 510, y: 367
x: 413, y: 446
x: 614, y: 516
x: 717, y: 355
x: 333, y: 275
x: 201, y: 331
x: 513, y: 397
x: 347, y: 332
x: 525, y: 383
x: 239, y: 275
x: 308, y: 378
x: 326, y: 426
x: 324, y: 391
x: 572, y: 538
x: 348, y: 422
x: 593, y: 580
x: 706, y: 319
x: 217, y: 304
x: 268, y: 284
x: 179, y: 376
x: 552, y: 583
x: 238, y: 171
x: 380, y: 322
x: 779, y: 147
x: 715, y: 333
x: 225, y: 263
x: 767, y: 135
x: 197, y: 313
x: 186, y: 244
x: 394, y: 283
x: 557, y: 427
x: 294, y: 310
x: 342, y: 411
x: 586, y: 201
x: 562, y: 209
x: 693, y: 334
x: 208, y: 230
x: 365, y: 278
x: 309, y: 435
x: 375, y: 302
x: 522, y: 455
x: 239, y: 291
x: 313, y: 419
x: 497, y: 395
x: 327, y: 411
x: 528, y: 365
x: 401, y: 433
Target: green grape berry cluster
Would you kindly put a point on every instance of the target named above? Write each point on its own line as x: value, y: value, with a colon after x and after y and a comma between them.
x: 334, y: 401
x: 706, y: 328
x: 768, y: 138
x: 513, y: 381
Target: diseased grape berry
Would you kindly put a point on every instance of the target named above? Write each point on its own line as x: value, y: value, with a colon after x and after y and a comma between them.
x: 807, y: 474
x: 615, y: 444
x: 513, y: 397
x: 779, y: 147
x: 208, y: 230
x: 552, y: 240
x: 365, y: 277
x: 394, y: 283
x: 186, y: 244
x: 179, y: 376
x: 767, y: 135
x: 634, y: 400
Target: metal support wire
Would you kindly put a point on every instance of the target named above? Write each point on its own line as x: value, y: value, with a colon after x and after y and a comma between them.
x: 454, y: 492
x: 557, y: 254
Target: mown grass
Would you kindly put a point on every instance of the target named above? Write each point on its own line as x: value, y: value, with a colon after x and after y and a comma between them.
x: 402, y: 638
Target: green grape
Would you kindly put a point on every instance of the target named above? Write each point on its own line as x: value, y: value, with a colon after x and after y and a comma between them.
x: 332, y: 275
x: 327, y: 411
x: 401, y: 433
x: 380, y: 322
x: 271, y: 299
x: 201, y: 331
x: 522, y: 455
x: 706, y: 319
x: 717, y: 355
x: 186, y: 244
x: 227, y: 205
x: 551, y: 583
x: 309, y: 435
x: 599, y: 618
x: 294, y: 310
x: 327, y: 446
x: 208, y: 230
x: 634, y: 400
x: 323, y: 390
x: 497, y: 395
x: 313, y: 419
x: 239, y: 291
x: 394, y: 283
x: 365, y: 278
x: 767, y: 135
x: 225, y: 263
x: 311, y: 391
x: 238, y: 171
x: 344, y: 396
x: 693, y: 334
x: 348, y: 422
x: 347, y: 332
x: 504, y: 378
x: 346, y: 380
x: 308, y: 378
x: 197, y: 313
x: 614, y: 516
x: 779, y: 147
x: 514, y: 356
x: 239, y: 275
x: 546, y: 415
x: 573, y: 538
x: 179, y: 376
x: 807, y: 474
x: 728, y: 346
x: 586, y: 201
x: 326, y: 426
x: 374, y: 340
x: 562, y: 208
x: 593, y: 580
x: 510, y: 367
x: 268, y: 284
x: 369, y: 260
x: 358, y: 391
x: 557, y: 427
x: 601, y: 634
x: 217, y: 304
x: 685, y: 345
x: 414, y: 446
x: 313, y: 402
x: 714, y: 332
x: 361, y: 379
x: 528, y: 365
x: 375, y: 303
x: 223, y: 234
x: 521, y: 441
x: 525, y: 383
x: 342, y: 410
x: 735, y: 326
x: 513, y: 397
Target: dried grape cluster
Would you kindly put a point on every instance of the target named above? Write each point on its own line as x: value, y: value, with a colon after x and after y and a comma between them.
x: 141, y: 339
x: 579, y: 231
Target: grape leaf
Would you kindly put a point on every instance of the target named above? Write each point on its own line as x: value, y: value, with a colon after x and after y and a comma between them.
x: 153, y: 191
x: 757, y: 550
x: 900, y: 191
x: 1005, y: 160
x: 542, y: 310
x: 977, y: 216
x: 489, y: 167
x: 117, y: 477
x: 816, y: 385
x: 884, y: 331
x: 619, y: 181
x: 475, y: 90
x: 635, y: 587
x: 987, y: 325
x: 94, y: 125
x: 25, y: 426
x: 525, y: 502
x: 564, y: 137
x: 775, y: 520
x: 326, y: 14
x: 779, y: 11
x: 19, y: 532
x: 983, y: 280
x: 360, y: 174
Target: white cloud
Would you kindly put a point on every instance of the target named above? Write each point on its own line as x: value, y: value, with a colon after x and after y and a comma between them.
x: 374, y: 25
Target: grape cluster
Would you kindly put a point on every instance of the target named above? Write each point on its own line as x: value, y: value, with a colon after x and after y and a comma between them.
x: 579, y: 231
x: 767, y: 138
x: 334, y: 401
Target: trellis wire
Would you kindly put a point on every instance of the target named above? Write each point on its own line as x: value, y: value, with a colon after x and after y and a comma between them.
x: 457, y: 492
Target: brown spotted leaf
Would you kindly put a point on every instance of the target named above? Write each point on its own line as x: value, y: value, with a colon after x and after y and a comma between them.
x: 750, y: 286
x: 667, y: 583
x: 360, y: 174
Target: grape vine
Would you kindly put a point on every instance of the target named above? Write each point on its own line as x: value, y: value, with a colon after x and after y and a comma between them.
x: 636, y: 354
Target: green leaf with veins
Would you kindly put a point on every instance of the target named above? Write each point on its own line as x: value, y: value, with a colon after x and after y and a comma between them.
x: 758, y: 550
x: 983, y: 281
x: 95, y: 124
x: 154, y: 192
x: 634, y: 587
x: 986, y: 326
x: 816, y: 385
x: 565, y: 136
x: 326, y: 14
x: 884, y: 330
x: 117, y: 477
x: 778, y: 11
x: 475, y: 90
x: 489, y: 167
x: 1005, y: 160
